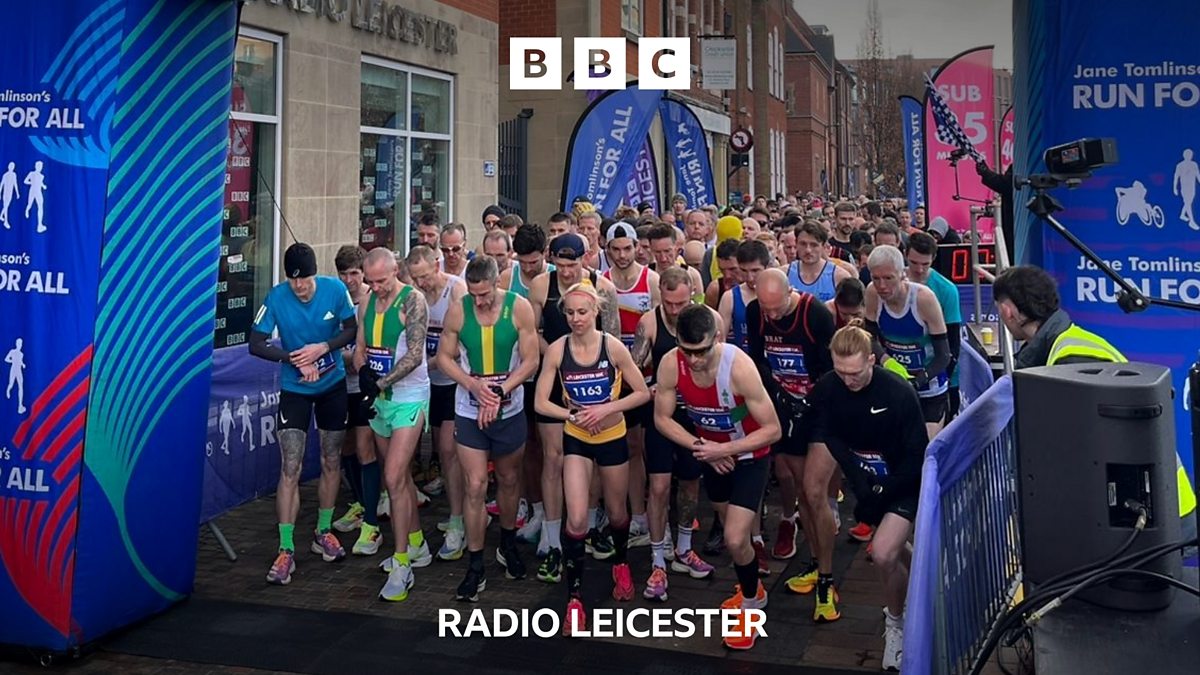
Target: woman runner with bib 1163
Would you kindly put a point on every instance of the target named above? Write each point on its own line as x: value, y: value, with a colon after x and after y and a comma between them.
x: 591, y: 365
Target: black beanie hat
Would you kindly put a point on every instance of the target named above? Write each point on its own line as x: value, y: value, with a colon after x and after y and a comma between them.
x: 299, y: 261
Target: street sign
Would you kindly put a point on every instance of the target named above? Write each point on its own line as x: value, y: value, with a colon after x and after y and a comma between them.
x: 489, y: 169
x: 741, y: 141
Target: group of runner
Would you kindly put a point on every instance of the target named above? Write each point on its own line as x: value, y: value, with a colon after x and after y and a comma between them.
x: 594, y: 370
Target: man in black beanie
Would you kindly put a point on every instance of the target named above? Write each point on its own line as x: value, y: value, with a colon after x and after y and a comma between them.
x: 315, y: 317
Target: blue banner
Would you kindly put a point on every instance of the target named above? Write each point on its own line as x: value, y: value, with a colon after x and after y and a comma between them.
x: 642, y: 185
x: 688, y: 148
x: 113, y: 140
x: 912, y: 122
x: 1140, y: 215
x: 604, y: 146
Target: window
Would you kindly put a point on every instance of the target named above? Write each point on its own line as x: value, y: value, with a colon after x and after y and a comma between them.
x: 749, y: 59
x: 631, y: 16
x: 771, y: 63
x: 249, y: 227
x: 405, y: 165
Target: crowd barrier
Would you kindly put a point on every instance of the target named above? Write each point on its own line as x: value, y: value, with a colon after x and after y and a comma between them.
x: 966, y: 558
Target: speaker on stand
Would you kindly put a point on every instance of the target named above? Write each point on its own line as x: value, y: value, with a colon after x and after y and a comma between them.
x: 1092, y: 439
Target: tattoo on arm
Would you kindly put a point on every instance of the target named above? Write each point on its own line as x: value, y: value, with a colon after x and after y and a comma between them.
x: 610, y: 318
x: 416, y: 323
x: 641, y: 346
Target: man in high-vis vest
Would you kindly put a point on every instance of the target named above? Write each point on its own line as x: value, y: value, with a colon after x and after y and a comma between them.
x: 1027, y: 300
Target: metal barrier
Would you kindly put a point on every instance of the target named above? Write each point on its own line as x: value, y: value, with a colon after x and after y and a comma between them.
x: 966, y: 557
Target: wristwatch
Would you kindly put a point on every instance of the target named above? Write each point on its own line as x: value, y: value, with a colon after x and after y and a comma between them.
x: 877, y: 489
x: 571, y: 416
x: 497, y: 390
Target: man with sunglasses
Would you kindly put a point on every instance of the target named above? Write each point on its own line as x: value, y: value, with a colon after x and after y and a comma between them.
x: 567, y: 253
x: 455, y: 254
x: 734, y: 426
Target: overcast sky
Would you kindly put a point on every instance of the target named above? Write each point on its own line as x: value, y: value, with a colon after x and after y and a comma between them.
x: 924, y: 28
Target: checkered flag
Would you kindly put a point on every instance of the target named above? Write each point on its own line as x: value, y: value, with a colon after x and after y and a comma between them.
x: 948, y: 130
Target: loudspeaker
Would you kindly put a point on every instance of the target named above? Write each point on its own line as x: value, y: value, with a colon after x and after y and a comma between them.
x: 1089, y: 437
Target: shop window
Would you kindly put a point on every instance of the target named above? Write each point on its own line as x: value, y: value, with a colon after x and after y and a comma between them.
x: 405, y: 165
x: 249, y: 227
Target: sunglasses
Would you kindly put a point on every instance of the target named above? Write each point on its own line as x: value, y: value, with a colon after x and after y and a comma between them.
x: 452, y: 249
x: 699, y: 351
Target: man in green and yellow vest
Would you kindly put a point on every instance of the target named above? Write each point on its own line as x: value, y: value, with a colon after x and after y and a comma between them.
x: 1027, y: 300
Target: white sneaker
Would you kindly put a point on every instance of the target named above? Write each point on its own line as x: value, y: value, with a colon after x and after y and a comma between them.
x: 639, y: 535
x: 385, y: 505
x: 453, y: 547
x: 420, y: 557
x: 669, y: 554
x: 400, y: 581
x: 434, y: 487
x: 422, y: 499
x: 531, y: 532
x: 893, y: 641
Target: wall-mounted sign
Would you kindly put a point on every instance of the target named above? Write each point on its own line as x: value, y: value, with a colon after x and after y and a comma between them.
x: 489, y: 169
x: 383, y: 18
x: 718, y: 62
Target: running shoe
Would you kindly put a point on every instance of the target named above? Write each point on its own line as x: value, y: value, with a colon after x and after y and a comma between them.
x: 599, y: 546
x: 656, y: 585
x: 400, y: 581
x: 739, y: 601
x: 369, y: 540
x: 328, y: 547
x: 716, y: 539
x: 805, y: 582
x: 384, y: 509
x: 352, y: 519
x: 837, y: 516
x: 893, y: 642
x: 281, y: 570
x: 669, y: 554
x: 444, y: 525
x: 639, y: 535
x: 550, y: 569
x: 453, y: 546
x: 785, y: 540
x: 741, y: 638
x: 510, y: 559
x: 435, y: 487
x: 826, y: 610
x: 622, y: 583
x: 760, y: 554
x: 472, y: 584
x: 423, y: 499
x: 531, y: 531
x: 420, y: 556
x: 691, y: 565
x: 862, y: 532
x: 576, y: 618
x: 493, y: 508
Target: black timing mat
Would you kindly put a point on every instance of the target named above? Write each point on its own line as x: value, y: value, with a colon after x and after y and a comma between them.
x: 320, y: 642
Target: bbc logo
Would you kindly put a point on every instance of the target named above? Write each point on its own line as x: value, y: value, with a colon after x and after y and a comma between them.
x: 599, y: 63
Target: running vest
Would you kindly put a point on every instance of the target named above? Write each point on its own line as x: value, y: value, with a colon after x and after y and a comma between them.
x: 823, y: 287
x: 433, y: 336
x: 664, y: 342
x: 554, y: 322
x: 906, y: 339
x: 517, y: 286
x: 783, y: 347
x: 739, y: 331
x: 386, y: 343
x: 718, y: 414
x: 592, y: 384
x: 632, y: 303
x: 490, y: 353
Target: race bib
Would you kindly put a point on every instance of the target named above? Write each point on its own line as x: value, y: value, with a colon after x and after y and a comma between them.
x: 590, y: 387
x: 872, y: 462
x: 787, y: 365
x: 711, y: 419
x: 911, y: 356
x: 326, y: 363
x: 379, y: 360
x: 433, y: 337
x: 496, y: 379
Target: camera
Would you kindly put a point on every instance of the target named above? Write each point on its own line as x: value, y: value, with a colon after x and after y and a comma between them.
x: 1079, y: 158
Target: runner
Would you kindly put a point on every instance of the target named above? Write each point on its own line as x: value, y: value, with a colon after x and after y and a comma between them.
x: 567, y: 252
x: 752, y: 257
x: 497, y: 245
x: 637, y: 291
x: 869, y: 419
x: 847, y: 302
x: 454, y: 249
x: 789, y: 340
x: 590, y: 367
x: 496, y: 331
x: 812, y: 272
x: 390, y: 357
x: 560, y: 223
x: 589, y: 228
x: 907, y: 320
x: 735, y: 425
x: 664, y: 248
x: 315, y: 317
x: 922, y: 249
x: 654, y: 338
x: 529, y: 244
x: 845, y: 214
x: 731, y: 276
x: 441, y: 291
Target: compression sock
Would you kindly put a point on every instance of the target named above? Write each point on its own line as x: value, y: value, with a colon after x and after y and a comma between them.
x: 324, y: 520
x: 285, y: 537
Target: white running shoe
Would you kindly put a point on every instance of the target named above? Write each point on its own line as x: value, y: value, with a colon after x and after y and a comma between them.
x: 669, y: 554
x: 531, y: 531
x: 639, y: 535
x: 400, y: 582
x: 893, y: 641
x: 385, y: 505
x: 453, y: 547
x: 420, y: 557
x: 434, y: 487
